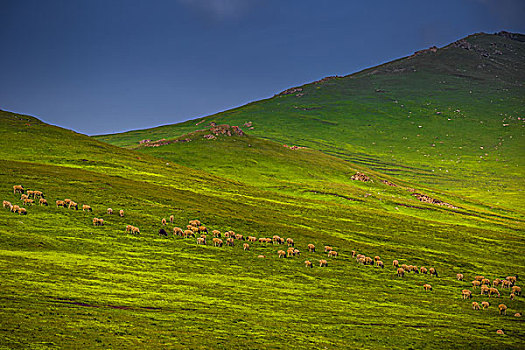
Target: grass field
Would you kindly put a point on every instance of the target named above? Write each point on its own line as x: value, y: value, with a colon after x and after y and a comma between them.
x: 67, y: 284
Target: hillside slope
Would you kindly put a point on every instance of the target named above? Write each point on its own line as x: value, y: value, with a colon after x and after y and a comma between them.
x: 451, y: 118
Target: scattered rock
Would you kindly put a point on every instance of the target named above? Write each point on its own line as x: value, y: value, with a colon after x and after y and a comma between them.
x: 360, y: 177
x: 209, y: 137
x: 500, y: 331
x: 386, y: 182
x: 290, y: 91
x: 294, y: 147
x: 248, y: 124
x: 144, y: 141
x: 428, y: 199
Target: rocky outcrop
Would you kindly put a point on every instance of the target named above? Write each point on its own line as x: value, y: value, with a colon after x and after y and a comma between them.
x: 360, y: 177
x: 427, y: 199
x: 225, y: 129
x: 295, y: 90
x: 294, y: 147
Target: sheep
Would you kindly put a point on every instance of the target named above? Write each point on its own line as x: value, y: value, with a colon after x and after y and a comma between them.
x: 502, y: 309
x: 500, y: 331
x: 296, y: 252
x: 395, y: 263
x: 380, y: 264
x: 99, y: 222
x: 353, y: 253
x: 162, y: 232
x: 262, y: 240
x: 323, y: 263
x: 86, y: 207
x: 261, y: 256
x: 203, y: 229
x: 475, y: 284
x: 400, y: 272
x: 195, y: 230
x: 311, y: 248
x: 459, y: 276
x: 7, y: 204
x: 188, y: 233
x: 24, y: 196
x: 18, y: 189
x: 433, y: 271
x: 217, y: 242
x: 475, y: 306
x: 230, y: 241
x: 195, y: 223
x: 308, y: 263
x: 494, y: 291
x: 415, y: 269
x: 246, y: 246
x: 359, y: 256
x: 109, y: 211
x: 516, y: 290
x: 512, y: 296
x: 239, y: 237
x: 128, y: 227
x: 73, y: 205
x: 177, y: 231
x: 327, y: 248
x: 201, y: 241
x: 485, y: 304
x: 505, y: 284
x: 38, y: 194
x: 290, y: 242
x: 427, y: 287
x: 281, y: 253
x: 60, y: 203
x: 409, y: 268
x: 22, y: 211
x: 466, y: 294
x: 484, y: 290
x: 290, y: 251
x: 216, y: 233
x: 15, y: 208
x: 361, y: 260
x: 496, y: 282
x: 67, y: 201
x: 252, y: 239
x: 376, y: 258
x: 121, y: 213
x: 485, y: 281
x: 28, y: 201
x: 368, y: 260
x: 43, y: 201
x: 479, y: 278
x: 517, y: 314
x: 172, y: 218
x: 163, y: 221
x: 511, y: 279
x: 135, y: 230
x: 332, y: 254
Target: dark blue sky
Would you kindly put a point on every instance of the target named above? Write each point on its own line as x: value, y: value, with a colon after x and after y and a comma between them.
x: 102, y: 66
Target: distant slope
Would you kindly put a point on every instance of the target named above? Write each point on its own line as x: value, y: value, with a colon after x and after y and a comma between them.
x: 452, y: 118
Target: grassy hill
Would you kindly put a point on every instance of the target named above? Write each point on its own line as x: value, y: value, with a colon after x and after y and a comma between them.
x: 451, y: 118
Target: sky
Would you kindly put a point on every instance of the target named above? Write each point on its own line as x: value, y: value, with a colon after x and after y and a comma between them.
x: 106, y: 66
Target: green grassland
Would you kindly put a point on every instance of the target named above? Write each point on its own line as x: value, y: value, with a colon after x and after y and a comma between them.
x: 67, y: 284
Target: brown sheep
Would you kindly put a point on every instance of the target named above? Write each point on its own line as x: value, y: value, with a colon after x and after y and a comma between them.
x: 459, y: 276
x: 15, y: 208
x: 427, y: 287
x: 195, y: 223
x: 517, y: 314
x: 479, y: 278
x: 252, y: 239
x: 73, y: 205
x: 433, y: 271
x: 511, y: 279
x: 485, y: 304
x: 404, y: 266
x: 415, y: 269
x: 67, y: 201
x: 502, y: 309
x: 121, y: 213
x: 246, y: 246
x: 361, y: 260
x: 494, y: 291
x: 216, y: 233
x: 262, y: 240
x: 261, y: 256
x: 496, y: 282
x: 86, y: 207
x: 380, y: 264
x: 485, y: 281
x: 308, y: 263
x: 172, y: 218
x: 230, y: 241
x: 60, y: 203
x: 22, y: 211
x: 516, y: 290
x: 30, y: 193
x: 512, y: 296
x: 281, y: 253
x: 6, y: 204
x: 409, y: 268
x: 332, y: 254
x: 484, y: 290
x: 323, y: 263
x: 466, y: 294
x: 195, y: 230
x: 327, y: 248
x: 217, y: 242
x: 99, y: 222
x: 290, y: 252
x: 109, y: 211
x: 177, y: 231
x: 376, y: 258
x: 353, y: 253
x: 28, y: 201
x: 239, y: 237
x: 311, y: 248
x: 135, y: 230
x: 500, y: 331
x: 395, y: 263
x: 163, y: 221
x: 296, y: 252
x: 505, y: 284
x: 475, y: 284
x: 188, y: 233
x: 203, y: 229
x: 290, y: 242
x: 43, y: 201
x: 400, y: 272
x: 475, y: 306
x: 24, y: 196
x: 38, y: 194
x: 368, y: 260
x: 201, y: 241
x: 18, y: 189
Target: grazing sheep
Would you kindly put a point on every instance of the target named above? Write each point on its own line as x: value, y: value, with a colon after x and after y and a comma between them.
x: 43, y: 201
x: 327, y: 248
x: 404, y: 266
x: 395, y: 263
x: 22, y: 211
x: 484, y: 290
x: 261, y: 256
x: 400, y: 272
x: 6, y: 204
x: 353, y: 253
x: 323, y: 263
x: 60, y: 203
x: 475, y: 284
x: 162, y: 232
x: 505, y: 284
x: 359, y: 256
x: 281, y: 253
x: 135, y: 230
x: 217, y: 242
x: 517, y: 314
x: 361, y: 260
x: 459, y: 276
x: 290, y: 252
x: 308, y: 263
x: 239, y: 237
x: 18, y: 189
x: 479, y: 278
x: 216, y: 233
x: 376, y: 258
x: 252, y: 239
x: 172, y: 218
x: 163, y: 221
x: 427, y: 287
x: 38, y: 194
x: 296, y: 252
x: 86, y: 207
x: 230, y: 241
x: 24, y: 196
x: 195, y: 223
x: 409, y: 268
x: 485, y: 304
x: 466, y: 294
x: 512, y: 296
x: 73, y: 205
x: 177, y: 231
x: 67, y: 201
x: 380, y: 264
x: 511, y: 279
x: 28, y: 201
x: 110, y: 211
x: 121, y: 213
x: 496, y: 282
x: 15, y: 208
x: 311, y: 248
x: 195, y: 230
x: 516, y: 290
x: 433, y: 271
x: 502, y: 309
x: 246, y: 246
x: 485, y: 281
x: 201, y: 241
x: 332, y: 254
x: 500, y: 331
x: 494, y: 291
x: 188, y: 233
x: 475, y: 306
x: 368, y: 260
x: 203, y: 229
x: 128, y: 227
x: 99, y: 222
x: 290, y: 242
x: 415, y: 269
x: 262, y: 240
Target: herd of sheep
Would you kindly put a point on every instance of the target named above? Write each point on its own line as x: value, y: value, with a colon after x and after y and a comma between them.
x: 195, y: 229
